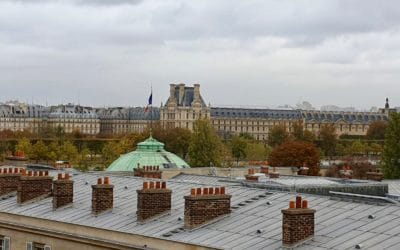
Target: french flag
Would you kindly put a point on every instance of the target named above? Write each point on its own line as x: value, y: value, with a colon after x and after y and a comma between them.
x: 148, y: 107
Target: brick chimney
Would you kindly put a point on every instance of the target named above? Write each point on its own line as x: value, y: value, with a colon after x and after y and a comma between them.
x: 148, y: 172
x: 154, y: 199
x: 9, y: 181
x: 264, y: 170
x: 250, y: 175
x: 102, y: 196
x: 374, y: 176
x: 298, y: 223
x: 35, y: 186
x: 346, y: 172
x: 205, y: 205
x: 63, y: 191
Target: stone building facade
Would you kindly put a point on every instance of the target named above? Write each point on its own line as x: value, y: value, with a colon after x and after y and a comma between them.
x: 184, y: 106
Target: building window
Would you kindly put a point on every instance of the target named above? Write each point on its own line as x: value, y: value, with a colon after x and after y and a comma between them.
x: 4, y: 243
x: 37, y: 246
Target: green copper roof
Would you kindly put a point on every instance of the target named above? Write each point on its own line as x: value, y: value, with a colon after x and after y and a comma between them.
x: 148, y: 153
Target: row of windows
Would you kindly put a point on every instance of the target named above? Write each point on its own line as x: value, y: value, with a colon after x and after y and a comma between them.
x: 5, y: 244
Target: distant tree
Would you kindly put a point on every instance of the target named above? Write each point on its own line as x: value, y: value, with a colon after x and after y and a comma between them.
x: 328, y: 138
x: 177, y: 141
x: 391, y: 151
x: 54, y: 151
x: 24, y: 145
x: 301, y: 134
x: 376, y: 130
x: 205, y: 145
x: 111, y: 151
x: 375, y: 148
x: 296, y: 154
x: 256, y: 151
x: 357, y: 148
x: 238, y: 147
x: 277, y: 135
x: 69, y: 152
x: 6, y: 134
x: 39, y: 152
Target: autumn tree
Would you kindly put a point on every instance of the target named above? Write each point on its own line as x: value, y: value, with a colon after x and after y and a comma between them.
x: 391, y: 151
x: 205, y: 145
x: 296, y: 154
x: 277, y: 135
x: 24, y: 145
x: 376, y: 130
x: 328, y: 138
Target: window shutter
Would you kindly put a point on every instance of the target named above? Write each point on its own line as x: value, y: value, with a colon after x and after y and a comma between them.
x: 29, y: 246
x: 6, y: 243
x: 47, y: 247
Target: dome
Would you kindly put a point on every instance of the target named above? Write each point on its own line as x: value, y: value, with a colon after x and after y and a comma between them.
x: 148, y: 153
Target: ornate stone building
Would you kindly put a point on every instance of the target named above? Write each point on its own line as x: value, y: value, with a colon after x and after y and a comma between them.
x: 183, y: 107
x: 118, y: 121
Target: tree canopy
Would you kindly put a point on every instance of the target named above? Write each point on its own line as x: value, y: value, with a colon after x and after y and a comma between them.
x: 391, y: 150
x: 205, y: 147
x: 296, y: 154
x: 376, y: 130
x: 277, y: 135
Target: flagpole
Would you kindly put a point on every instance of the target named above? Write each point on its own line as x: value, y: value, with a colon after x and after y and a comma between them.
x: 151, y: 111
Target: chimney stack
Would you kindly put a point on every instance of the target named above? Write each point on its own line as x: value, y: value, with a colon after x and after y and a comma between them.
x: 35, y: 186
x: 102, y: 196
x: 374, y: 176
x: 181, y: 94
x: 9, y: 181
x: 298, y: 223
x: 63, y: 191
x: 154, y: 199
x: 205, y: 205
x: 264, y: 170
x: 148, y: 172
x: 250, y: 175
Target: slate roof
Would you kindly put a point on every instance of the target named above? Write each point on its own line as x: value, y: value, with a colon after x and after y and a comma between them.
x: 133, y: 113
x: 255, y: 113
x: 339, y: 224
x: 350, y: 117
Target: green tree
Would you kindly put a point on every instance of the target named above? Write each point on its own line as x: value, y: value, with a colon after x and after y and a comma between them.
x: 111, y: 151
x: 238, y: 148
x: 376, y: 130
x: 296, y: 154
x: 205, y: 147
x: 357, y: 148
x: 54, y: 151
x: 39, y: 151
x: 177, y: 141
x: 328, y: 138
x: 257, y: 151
x: 277, y: 135
x: 24, y: 145
x: 69, y: 152
x: 391, y: 150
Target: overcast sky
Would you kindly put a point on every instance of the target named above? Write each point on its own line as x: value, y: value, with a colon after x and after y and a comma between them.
x: 243, y: 53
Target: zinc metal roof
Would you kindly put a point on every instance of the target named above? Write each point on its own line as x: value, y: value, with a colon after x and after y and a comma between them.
x: 255, y: 221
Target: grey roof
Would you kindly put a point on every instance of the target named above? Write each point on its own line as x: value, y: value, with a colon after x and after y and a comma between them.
x: 350, y: 117
x: 187, y: 98
x: 134, y: 113
x: 256, y: 113
x: 339, y: 224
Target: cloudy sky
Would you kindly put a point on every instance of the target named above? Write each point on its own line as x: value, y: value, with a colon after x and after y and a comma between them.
x: 243, y: 53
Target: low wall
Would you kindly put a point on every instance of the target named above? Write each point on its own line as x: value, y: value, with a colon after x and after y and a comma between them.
x: 224, y: 172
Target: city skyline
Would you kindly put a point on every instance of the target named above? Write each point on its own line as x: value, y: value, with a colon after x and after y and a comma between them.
x: 265, y: 54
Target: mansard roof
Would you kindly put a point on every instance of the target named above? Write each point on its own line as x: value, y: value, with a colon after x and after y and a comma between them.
x: 134, y: 113
x: 188, y: 97
x: 349, y: 117
x: 255, y: 113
